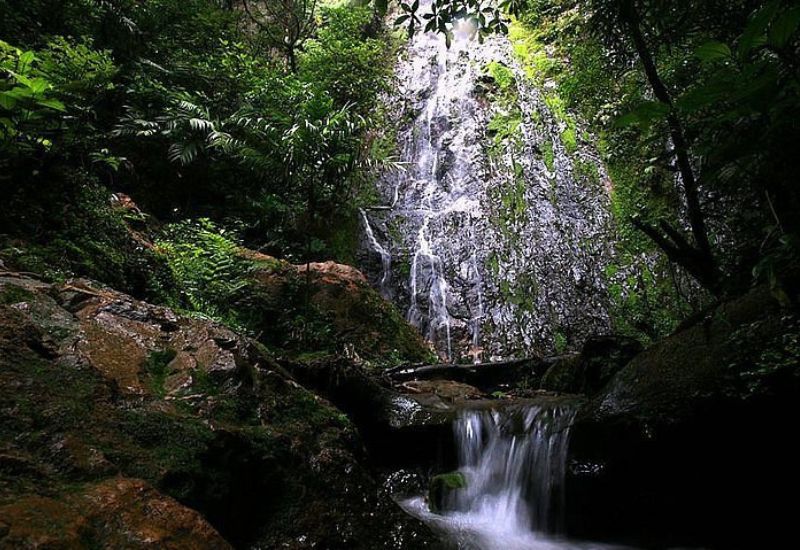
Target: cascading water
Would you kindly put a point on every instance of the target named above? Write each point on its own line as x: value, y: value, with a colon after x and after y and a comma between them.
x: 386, y: 258
x: 515, y: 467
x: 491, y: 254
x: 514, y: 463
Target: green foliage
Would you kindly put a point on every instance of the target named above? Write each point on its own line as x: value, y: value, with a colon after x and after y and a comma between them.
x: 180, y: 104
x: 502, y: 75
x: 548, y: 154
x: 28, y: 106
x: 443, y: 16
x: 206, y: 263
x: 157, y: 367
x: 89, y: 238
x: 560, y: 342
x: 347, y: 58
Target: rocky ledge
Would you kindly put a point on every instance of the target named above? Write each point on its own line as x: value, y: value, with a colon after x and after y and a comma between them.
x: 691, y: 442
x: 124, y: 424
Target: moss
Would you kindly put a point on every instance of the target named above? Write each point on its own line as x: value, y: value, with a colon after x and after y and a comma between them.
x: 560, y: 342
x: 569, y: 138
x: 443, y: 484
x: 157, y: 367
x: 549, y: 155
x: 587, y: 172
x: 502, y: 75
x: 12, y: 294
x: 530, y: 50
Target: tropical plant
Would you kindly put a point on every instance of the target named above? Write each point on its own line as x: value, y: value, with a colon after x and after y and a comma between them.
x: 28, y: 104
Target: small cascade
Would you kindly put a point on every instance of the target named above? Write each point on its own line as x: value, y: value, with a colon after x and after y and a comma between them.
x: 514, y: 463
x: 386, y: 258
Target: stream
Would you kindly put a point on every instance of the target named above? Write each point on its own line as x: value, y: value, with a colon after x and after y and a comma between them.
x: 514, y: 463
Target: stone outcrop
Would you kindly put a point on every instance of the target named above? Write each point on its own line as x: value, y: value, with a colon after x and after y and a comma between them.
x: 343, y: 313
x: 124, y: 424
x: 115, y: 513
x: 691, y: 442
x: 590, y: 370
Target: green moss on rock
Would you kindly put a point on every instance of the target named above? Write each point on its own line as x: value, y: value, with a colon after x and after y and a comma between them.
x: 443, y: 485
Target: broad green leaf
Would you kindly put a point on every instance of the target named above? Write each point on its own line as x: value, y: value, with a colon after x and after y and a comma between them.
x: 754, y: 35
x: 39, y: 85
x: 714, y: 91
x: 713, y: 51
x: 26, y: 59
x: 7, y: 101
x: 22, y: 79
x: 52, y: 104
x: 784, y: 27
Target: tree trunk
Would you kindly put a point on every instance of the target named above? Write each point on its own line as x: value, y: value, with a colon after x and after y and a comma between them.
x: 698, y: 259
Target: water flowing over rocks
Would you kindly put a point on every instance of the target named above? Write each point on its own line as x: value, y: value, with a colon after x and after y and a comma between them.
x: 491, y: 254
x: 508, y: 491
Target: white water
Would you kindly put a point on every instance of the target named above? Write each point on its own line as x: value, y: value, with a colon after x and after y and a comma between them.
x: 514, y: 462
x: 476, y: 279
x: 386, y: 258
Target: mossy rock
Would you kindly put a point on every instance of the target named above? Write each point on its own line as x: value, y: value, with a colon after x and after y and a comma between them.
x: 105, y: 386
x: 442, y: 486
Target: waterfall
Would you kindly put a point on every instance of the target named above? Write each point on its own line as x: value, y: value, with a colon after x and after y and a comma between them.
x: 492, y: 254
x: 514, y: 463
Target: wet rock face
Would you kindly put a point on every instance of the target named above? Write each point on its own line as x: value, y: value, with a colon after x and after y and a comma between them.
x: 493, y: 250
x: 689, y: 443
x: 124, y: 424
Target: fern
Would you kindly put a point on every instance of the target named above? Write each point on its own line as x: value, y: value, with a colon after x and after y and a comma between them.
x: 206, y: 263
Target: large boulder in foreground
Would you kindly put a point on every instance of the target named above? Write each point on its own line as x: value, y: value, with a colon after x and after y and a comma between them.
x: 692, y: 442
x: 124, y: 425
x: 115, y: 513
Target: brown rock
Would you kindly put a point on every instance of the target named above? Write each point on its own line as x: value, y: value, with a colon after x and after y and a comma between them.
x: 446, y: 389
x: 117, y: 513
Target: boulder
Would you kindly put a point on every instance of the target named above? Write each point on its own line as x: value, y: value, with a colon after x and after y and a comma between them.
x: 690, y: 443
x: 115, y: 513
x: 442, y: 486
x: 591, y: 369
x: 339, y: 311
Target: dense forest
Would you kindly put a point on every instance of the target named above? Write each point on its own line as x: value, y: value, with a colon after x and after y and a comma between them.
x: 267, y: 267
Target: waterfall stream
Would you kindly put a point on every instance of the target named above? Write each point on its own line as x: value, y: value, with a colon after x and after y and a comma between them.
x: 514, y: 463
x: 492, y: 250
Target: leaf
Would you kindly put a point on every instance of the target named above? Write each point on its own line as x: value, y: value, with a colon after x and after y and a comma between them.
x: 39, y: 85
x: 704, y: 96
x: 713, y: 51
x: 7, y: 101
x: 26, y: 59
x: 644, y: 115
x: 52, y: 104
x: 754, y: 35
x: 784, y: 27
